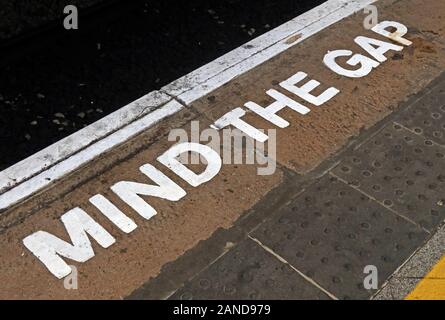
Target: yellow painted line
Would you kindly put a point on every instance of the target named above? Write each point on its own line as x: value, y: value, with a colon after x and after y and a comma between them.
x: 432, y: 286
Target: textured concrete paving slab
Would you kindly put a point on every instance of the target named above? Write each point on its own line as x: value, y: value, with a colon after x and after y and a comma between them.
x: 404, y: 281
x: 248, y: 272
x: 427, y: 117
x: 403, y: 171
x: 331, y: 232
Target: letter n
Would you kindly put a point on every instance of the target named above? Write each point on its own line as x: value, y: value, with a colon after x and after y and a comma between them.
x: 130, y: 191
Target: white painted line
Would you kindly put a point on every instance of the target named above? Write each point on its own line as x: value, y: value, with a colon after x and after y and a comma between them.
x: 75, y: 161
x: 68, y: 146
x: 39, y: 170
x: 202, y: 81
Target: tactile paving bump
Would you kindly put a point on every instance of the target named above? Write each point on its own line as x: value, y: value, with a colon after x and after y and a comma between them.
x: 332, y: 232
x: 402, y: 170
x: 248, y: 272
x: 427, y: 116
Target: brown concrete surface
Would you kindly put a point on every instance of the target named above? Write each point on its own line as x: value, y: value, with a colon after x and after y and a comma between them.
x: 360, y: 104
x: 135, y: 258
x: 177, y: 227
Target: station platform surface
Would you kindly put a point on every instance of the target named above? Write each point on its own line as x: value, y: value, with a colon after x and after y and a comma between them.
x: 353, y: 208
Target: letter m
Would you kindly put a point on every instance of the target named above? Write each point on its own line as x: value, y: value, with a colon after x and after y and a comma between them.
x: 49, y: 249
